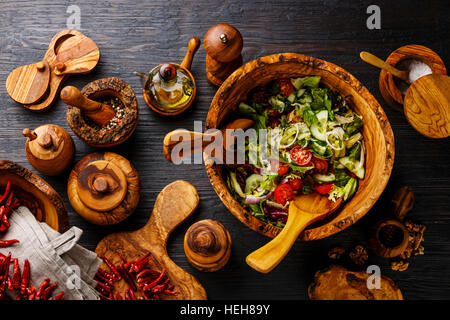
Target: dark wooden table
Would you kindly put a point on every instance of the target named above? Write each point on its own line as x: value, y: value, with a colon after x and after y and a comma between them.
x: 136, y: 35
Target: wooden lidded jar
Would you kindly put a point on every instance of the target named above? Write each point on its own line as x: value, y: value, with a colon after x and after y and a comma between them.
x: 94, y: 119
x: 49, y: 149
x: 223, y: 45
x: 104, y: 188
x: 207, y: 245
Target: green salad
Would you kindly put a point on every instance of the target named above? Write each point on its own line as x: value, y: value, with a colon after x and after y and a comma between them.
x: 314, y: 144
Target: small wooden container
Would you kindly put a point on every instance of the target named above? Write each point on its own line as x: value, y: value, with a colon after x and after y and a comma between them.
x: 223, y: 45
x: 207, y: 245
x: 104, y: 188
x: 49, y: 149
x: 389, y: 84
x: 389, y: 238
x: 91, y: 133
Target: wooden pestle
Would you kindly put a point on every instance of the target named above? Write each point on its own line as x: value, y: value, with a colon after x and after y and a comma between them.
x: 98, y: 112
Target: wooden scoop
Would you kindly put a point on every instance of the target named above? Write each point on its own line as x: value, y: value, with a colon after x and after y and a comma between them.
x: 377, y: 62
x: 174, y: 204
x: 172, y: 139
x: 427, y: 105
x: 303, y: 210
x: 98, y: 112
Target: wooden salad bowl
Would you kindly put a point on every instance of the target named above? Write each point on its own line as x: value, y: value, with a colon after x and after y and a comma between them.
x: 35, y: 194
x: 377, y: 132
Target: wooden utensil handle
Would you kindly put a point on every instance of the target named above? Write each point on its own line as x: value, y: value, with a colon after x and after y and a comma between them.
x: 194, y: 44
x: 377, y: 62
x: 100, y: 113
x: 266, y: 258
x: 188, y: 141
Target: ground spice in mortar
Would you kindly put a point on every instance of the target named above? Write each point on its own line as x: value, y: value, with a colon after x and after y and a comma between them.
x: 118, y: 108
x: 416, y: 68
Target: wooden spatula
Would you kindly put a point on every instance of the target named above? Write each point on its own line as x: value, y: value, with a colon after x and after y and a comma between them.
x: 98, y: 112
x: 303, y: 210
x: 189, y: 145
x: 174, y: 204
x: 427, y: 105
x: 377, y: 62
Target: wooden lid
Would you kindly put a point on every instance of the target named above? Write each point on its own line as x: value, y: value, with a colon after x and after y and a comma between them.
x: 427, y: 105
x: 223, y: 42
x: 102, y: 185
x: 28, y: 84
x: 45, y: 142
x: 104, y: 188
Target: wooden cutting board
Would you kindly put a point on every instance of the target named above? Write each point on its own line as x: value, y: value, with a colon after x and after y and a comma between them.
x: 174, y: 204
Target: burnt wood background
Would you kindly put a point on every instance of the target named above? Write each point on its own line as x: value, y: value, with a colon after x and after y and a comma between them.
x: 137, y: 35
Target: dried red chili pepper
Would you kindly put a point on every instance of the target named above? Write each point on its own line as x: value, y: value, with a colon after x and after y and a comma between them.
x: 139, y: 265
x: 47, y: 292
x: 101, y: 278
x: 105, y: 288
x: 5, y: 271
x: 129, y: 294
x: 7, y: 243
x: 42, y: 287
x: 10, y: 200
x: 126, y: 276
x: 5, y: 194
x: 118, y: 296
x: 171, y: 293
x: 16, y: 275
x: 155, y: 282
x: 113, y: 268
x: 59, y: 296
x: 25, y: 277
x: 9, y: 283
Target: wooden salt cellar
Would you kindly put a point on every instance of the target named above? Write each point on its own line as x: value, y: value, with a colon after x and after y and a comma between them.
x: 207, y: 245
x: 223, y: 44
x: 389, y: 237
x: 49, y: 149
x: 82, y: 105
x: 104, y: 188
x: 388, y: 86
x: 36, y: 85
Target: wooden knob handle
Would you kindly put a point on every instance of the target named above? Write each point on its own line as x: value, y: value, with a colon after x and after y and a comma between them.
x: 28, y: 134
x: 207, y: 245
x: 193, y: 45
x: 40, y: 66
x: 100, y: 113
x: 101, y: 185
x: 45, y: 140
x: 223, y: 43
x: 377, y: 62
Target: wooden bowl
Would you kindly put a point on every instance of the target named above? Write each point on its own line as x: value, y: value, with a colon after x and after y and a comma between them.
x: 35, y: 194
x: 377, y: 133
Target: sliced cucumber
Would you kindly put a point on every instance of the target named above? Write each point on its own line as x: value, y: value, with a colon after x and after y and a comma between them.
x: 253, y: 182
x: 317, y: 147
x: 324, y: 177
x: 350, y: 188
x: 291, y: 97
x: 353, y: 166
x: 319, y: 128
x: 236, y: 185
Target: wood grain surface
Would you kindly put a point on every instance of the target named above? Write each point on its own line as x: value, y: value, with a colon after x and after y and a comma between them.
x: 136, y: 36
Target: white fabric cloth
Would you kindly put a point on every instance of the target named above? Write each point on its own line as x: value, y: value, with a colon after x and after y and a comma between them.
x: 52, y: 255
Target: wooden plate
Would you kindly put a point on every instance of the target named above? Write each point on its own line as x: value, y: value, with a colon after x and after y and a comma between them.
x: 377, y: 132
x: 36, y: 194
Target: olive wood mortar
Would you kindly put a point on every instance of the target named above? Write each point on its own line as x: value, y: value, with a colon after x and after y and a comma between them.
x: 104, y: 188
x: 377, y: 133
x: 96, y: 136
x: 35, y: 194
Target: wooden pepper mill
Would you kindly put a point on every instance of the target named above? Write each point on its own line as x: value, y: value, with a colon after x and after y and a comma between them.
x: 207, y: 245
x: 104, y: 188
x: 96, y: 123
x: 223, y: 44
x: 389, y: 237
x: 49, y: 149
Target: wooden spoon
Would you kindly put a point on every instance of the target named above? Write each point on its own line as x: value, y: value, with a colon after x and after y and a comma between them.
x: 303, y: 210
x: 198, y: 141
x: 427, y: 105
x: 377, y: 62
x: 98, y: 112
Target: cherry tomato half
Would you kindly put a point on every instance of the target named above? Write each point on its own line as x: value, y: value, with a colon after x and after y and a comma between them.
x: 272, y: 112
x: 278, y: 167
x: 283, y: 193
x: 301, y: 156
x: 320, y: 165
x: 286, y: 86
x: 324, y: 188
x: 295, y: 183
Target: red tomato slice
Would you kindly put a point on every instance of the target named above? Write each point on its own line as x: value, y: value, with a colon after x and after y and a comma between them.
x: 272, y: 112
x: 283, y: 193
x: 286, y: 86
x: 282, y: 168
x: 273, y: 122
x: 301, y: 156
x: 324, y: 188
x: 295, y: 183
x: 320, y: 165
